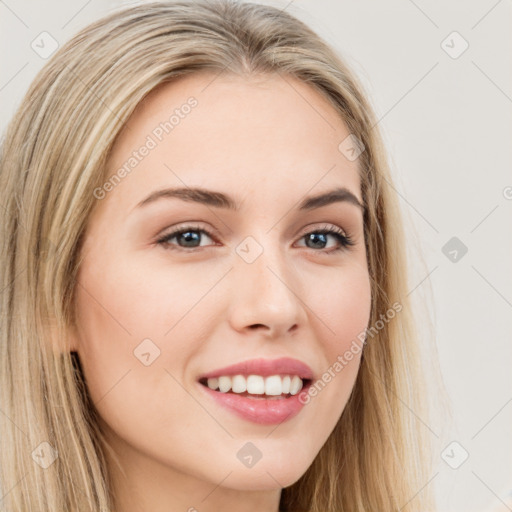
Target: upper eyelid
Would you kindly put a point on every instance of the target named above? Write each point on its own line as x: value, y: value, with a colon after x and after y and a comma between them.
x: 188, y: 227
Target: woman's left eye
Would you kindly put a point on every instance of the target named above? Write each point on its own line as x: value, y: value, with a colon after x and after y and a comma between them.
x: 320, y: 236
x: 191, y: 235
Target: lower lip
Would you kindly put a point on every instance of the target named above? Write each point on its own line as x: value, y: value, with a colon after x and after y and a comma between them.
x: 265, y: 411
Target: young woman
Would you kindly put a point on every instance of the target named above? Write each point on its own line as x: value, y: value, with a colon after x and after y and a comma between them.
x: 204, y: 293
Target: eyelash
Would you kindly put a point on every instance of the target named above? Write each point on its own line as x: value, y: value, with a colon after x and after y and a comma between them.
x: 344, y: 239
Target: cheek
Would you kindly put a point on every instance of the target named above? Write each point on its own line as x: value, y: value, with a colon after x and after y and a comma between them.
x: 344, y: 307
x: 132, y: 369
x: 116, y: 313
x: 129, y: 301
x: 131, y: 314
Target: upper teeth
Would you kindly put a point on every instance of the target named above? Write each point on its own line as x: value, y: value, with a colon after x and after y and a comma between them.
x: 257, y: 385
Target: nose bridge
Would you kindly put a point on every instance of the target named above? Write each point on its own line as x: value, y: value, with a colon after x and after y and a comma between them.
x: 267, y: 287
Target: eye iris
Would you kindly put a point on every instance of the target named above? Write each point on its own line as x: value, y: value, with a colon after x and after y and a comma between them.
x: 314, y: 238
x: 189, y: 236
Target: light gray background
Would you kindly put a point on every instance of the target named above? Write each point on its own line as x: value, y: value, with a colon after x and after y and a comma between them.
x: 446, y: 122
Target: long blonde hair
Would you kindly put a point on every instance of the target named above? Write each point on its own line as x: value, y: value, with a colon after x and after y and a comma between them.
x: 53, y: 158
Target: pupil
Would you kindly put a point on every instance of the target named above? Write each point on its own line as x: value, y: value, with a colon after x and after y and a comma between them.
x: 189, y: 236
x: 314, y: 237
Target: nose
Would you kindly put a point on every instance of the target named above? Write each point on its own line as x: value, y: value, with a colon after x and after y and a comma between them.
x: 266, y: 295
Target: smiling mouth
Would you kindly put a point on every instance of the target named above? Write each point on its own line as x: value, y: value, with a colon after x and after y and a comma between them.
x: 275, y: 387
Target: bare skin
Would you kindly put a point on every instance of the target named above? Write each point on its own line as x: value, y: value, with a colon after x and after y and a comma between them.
x: 268, y: 145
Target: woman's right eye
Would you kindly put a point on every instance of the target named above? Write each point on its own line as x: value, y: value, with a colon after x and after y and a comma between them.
x: 189, y: 235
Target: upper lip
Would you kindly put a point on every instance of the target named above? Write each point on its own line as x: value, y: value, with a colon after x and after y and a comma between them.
x: 265, y: 368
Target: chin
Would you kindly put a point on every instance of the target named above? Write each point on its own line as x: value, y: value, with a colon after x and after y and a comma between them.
x: 265, y: 477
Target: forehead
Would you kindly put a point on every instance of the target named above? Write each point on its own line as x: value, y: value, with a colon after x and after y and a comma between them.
x: 267, y: 134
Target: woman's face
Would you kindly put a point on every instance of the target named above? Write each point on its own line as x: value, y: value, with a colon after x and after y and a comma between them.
x: 159, y: 311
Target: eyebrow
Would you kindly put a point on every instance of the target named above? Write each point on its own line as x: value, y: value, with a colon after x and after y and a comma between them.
x: 221, y: 200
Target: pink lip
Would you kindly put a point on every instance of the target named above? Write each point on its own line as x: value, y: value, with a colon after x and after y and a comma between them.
x: 265, y: 411
x: 265, y: 368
